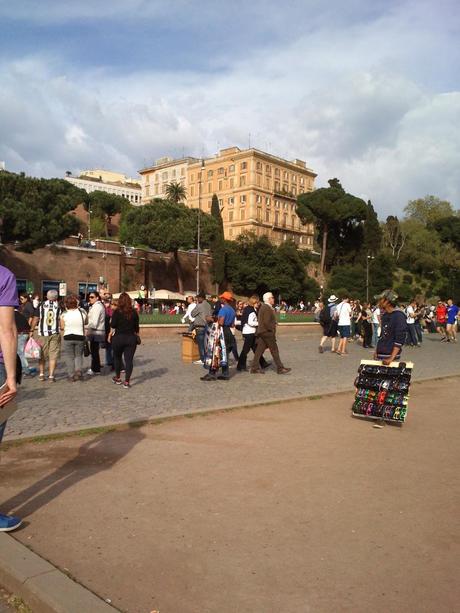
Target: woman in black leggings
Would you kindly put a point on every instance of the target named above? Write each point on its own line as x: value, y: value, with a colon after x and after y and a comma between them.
x: 124, y: 334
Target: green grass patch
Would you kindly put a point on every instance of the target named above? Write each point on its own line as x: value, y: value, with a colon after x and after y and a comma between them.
x: 158, y: 319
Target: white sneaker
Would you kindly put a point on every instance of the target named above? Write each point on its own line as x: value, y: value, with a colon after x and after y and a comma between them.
x: 198, y: 362
x: 91, y: 372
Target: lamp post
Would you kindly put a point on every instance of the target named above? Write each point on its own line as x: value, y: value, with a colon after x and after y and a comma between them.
x: 89, y: 223
x: 368, y: 257
x: 198, y: 246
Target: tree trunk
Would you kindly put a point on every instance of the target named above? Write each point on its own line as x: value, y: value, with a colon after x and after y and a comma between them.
x: 108, y: 221
x: 178, y: 267
x: 323, y: 251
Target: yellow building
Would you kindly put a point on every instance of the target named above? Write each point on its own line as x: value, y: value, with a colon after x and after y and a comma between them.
x: 257, y: 193
x: 165, y: 170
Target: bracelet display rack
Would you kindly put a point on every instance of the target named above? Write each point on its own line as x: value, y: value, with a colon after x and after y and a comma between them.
x: 382, y: 392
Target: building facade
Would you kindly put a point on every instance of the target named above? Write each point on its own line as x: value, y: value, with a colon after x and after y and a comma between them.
x: 165, y: 170
x: 110, y: 182
x: 257, y: 191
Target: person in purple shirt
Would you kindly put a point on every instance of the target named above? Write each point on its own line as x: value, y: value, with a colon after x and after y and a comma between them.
x: 8, y: 351
x: 451, y: 327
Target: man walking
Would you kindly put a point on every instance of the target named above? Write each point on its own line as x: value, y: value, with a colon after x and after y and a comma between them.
x: 225, y: 321
x: 329, y: 323
x: 8, y: 348
x: 266, y: 336
x: 452, y: 313
x: 202, y: 315
x: 49, y: 334
x: 394, y: 328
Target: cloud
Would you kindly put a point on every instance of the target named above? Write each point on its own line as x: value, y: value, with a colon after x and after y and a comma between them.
x: 368, y: 96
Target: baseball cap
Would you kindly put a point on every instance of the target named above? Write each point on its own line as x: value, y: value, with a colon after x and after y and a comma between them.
x: 387, y: 294
x: 226, y: 296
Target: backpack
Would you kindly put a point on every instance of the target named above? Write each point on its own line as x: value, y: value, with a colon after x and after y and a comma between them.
x: 325, y: 315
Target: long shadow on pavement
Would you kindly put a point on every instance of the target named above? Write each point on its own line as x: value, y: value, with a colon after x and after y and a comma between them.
x: 99, y: 454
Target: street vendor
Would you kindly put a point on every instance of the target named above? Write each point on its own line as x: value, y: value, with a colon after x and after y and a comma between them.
x: 394, y: 328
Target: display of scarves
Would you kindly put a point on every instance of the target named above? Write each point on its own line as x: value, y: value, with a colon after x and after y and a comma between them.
x: 216, y: 352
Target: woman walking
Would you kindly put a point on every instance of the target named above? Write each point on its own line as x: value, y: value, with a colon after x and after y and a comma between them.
x: 96, y: 331
x: 124, y: 336
x: 366, y: 318
x: 72, y: 324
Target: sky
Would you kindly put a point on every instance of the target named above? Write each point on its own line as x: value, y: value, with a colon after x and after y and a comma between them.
x: 364, y: 90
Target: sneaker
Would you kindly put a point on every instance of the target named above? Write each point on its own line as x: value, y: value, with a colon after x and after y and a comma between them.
x: 223, y: 378
x: 116, y: 380
x: 52, y: 379
x: 91, y: 373
x: 9, y: 523
x: 320, y: 349
x: 126, y: 385
x: 199, y: 362
x: 284, y: 371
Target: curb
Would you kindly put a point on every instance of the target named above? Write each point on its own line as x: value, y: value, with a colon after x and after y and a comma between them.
x: 43, y: 587
x: 159, y: 419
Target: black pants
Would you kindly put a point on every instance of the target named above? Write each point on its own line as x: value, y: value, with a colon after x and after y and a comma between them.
x: 124, y: 345
x: 249, y: 343
x: 95, y: 359
x: 367, y: 334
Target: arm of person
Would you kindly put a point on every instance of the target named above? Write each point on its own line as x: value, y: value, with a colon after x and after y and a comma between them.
x: 61, y: 323
x: 9, y: 344
x: 394, y: 353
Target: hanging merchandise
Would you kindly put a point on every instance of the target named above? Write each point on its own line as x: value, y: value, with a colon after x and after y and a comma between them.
x: 382, y: 392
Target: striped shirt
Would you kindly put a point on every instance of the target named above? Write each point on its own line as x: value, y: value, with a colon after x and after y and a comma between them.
x: 50, y: 312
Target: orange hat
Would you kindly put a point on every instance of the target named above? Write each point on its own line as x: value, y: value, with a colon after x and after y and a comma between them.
x: 226, y: 296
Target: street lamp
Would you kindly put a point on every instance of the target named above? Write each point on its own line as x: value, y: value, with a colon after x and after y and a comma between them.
x: 198, y: 246
x: 368, y: 257
x: 89, y: 223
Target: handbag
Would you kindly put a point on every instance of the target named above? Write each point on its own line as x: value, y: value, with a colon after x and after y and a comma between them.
x: 32, y: 350
x: 138, y: 339
x: 86, y: 350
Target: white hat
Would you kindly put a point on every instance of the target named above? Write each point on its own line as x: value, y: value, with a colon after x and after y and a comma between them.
x: 333, y: 298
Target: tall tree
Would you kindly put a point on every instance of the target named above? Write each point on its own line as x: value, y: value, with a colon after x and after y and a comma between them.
x: 329, y: 206
x: 165, y: 226
x: 35, y: 212
x: 428, y: 209
x: 175, y: 192
x: 394, y: 236
x: 218, y: 244
x: 372, y: 232
x: 106, y: 205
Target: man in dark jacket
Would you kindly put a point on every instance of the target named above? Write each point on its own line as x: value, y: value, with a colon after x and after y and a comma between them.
x: 394, y: 328
x: 266, y: 336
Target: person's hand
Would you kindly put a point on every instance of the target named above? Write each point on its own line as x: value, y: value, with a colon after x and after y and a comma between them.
x: 375, y: 355
x: 387, y: 361
x: 8, y: 392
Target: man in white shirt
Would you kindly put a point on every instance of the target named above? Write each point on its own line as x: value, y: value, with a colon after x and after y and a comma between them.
x: 410, y: 314
x: 343, y: 313
x: 188, y: 318
x: 375, y: 326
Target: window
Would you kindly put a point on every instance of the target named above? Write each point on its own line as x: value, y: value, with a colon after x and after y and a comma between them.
x: 209, y: 174
x: 192, y: 177
x: 267, y: 200
x: 284, y: 220
x: 219, y: 184
x: 243, y: 199
x: 230, y: 232
x: 147, y: 190
x: 293, y: 178
x: 268, y: 169
x: 258, y: 199
x: 231, y: 201
x: 47, y: 285
x: 259, y: 166
x: 293, y: 221
x: 164, y: 176
x: 232, y: 182
x: 220, y: 171
x: 157, y: 178
x: 21, y: 285
x: 86, y: 288
x: 209, y: 188
x: 221, y: 202
x: 294, y: 190
x: 242, y: 181
x: 277, y: 204
x: 277, y: 172
x: 231, y: 168
x: 285, y: 205
x: 259, y: 213
x: 230, y: 216
x: 243, y: 166
x: 258, y: 180
x: 192, y: 190
x: 285, y: 175
x: 267, y: 216
x: 182, y: 172
x: 285, y: 187
x: 277, y: 218
x: 174, y: 173
x: 242, y: 214
x: 156, y: 190
x: 277, y: 186
x: 301, y: 180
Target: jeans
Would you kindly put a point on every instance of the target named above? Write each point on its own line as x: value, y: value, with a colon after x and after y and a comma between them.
x: 418, y: 331
x: 73, y: 356
x: 2, y: 381
x: 200, y: 334
x: 95, y: 359
x: 22, y: 340
x: 108, y: 354
x: 411, y: 335
x: 375, y: 334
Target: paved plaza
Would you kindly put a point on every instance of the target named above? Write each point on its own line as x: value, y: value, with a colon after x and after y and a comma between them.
x: 163, y: 385
x: 292, y: 508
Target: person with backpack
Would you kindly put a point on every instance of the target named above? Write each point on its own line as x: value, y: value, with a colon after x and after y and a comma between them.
x: 329, y: 322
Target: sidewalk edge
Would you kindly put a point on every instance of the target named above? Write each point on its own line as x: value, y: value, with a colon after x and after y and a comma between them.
x: 42, y: 586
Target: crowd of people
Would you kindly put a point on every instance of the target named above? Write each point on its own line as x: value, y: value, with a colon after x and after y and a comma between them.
x: 76, y: 327
x: 352, y: 321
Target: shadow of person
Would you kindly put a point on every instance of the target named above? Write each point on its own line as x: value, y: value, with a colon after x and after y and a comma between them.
x: 96, y: 455
x: 146, y: 375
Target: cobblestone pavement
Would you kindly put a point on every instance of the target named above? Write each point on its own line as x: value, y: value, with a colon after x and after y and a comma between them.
x: 163, y: 385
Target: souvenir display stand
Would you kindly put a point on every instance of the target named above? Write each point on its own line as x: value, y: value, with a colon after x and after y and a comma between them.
x: 382, y: 392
